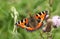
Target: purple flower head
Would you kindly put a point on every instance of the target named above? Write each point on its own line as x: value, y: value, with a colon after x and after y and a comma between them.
x: 56, y: 21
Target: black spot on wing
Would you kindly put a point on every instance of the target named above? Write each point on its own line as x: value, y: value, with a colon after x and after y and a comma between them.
x: 39, y: 13
x: 25, y: 19
x: 18, y: 22
x: 39, y: 18
x: 22, y: 21
x: 36, y: 15
x: 25, y: 24
x: 43, y: 12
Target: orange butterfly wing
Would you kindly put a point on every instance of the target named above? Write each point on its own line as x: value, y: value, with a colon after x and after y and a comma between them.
x: 40, y: 16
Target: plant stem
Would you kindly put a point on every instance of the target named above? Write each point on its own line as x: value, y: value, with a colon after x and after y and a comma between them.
x: 50, y: 4
x: 41, y: 35
x: 15, y: 14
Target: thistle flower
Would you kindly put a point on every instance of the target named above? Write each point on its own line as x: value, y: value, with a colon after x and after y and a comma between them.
x: 56, y: 21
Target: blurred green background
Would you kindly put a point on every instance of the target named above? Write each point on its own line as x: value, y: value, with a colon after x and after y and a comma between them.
x: 23, y: 7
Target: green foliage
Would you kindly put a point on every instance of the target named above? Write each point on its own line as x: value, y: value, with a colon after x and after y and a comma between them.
x: 23, y: 8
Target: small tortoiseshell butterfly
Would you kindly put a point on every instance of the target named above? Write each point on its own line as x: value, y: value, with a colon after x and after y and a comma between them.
x: 34, y: 22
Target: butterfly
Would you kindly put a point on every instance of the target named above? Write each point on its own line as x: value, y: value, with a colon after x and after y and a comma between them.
x: 33, y: 22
